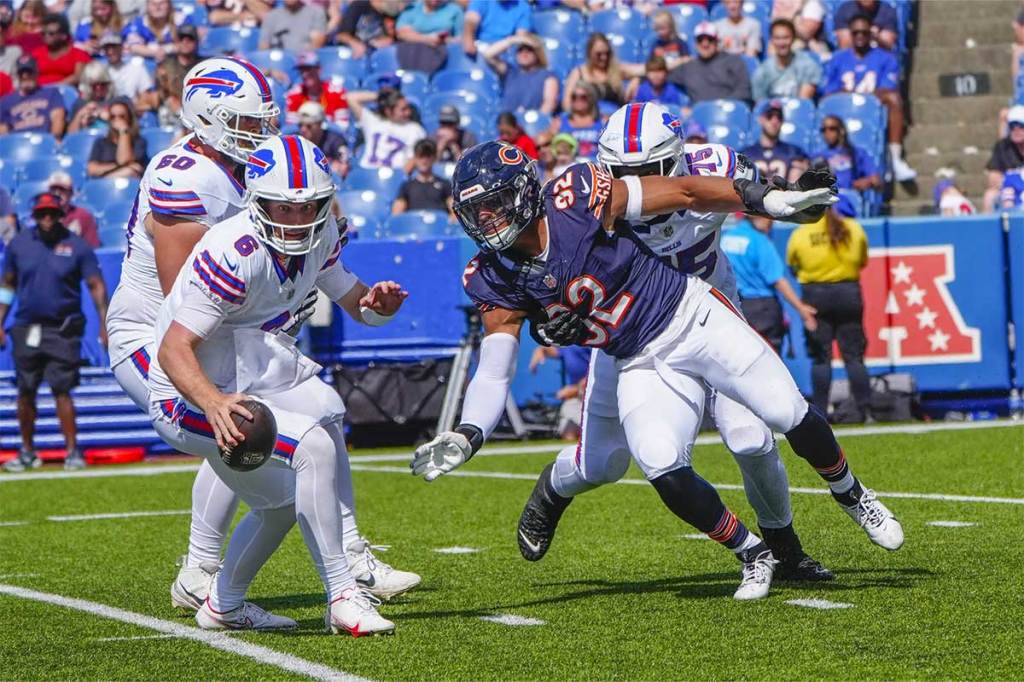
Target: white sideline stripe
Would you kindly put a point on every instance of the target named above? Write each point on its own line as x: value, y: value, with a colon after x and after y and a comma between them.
x: 457, y: 550
x: 215, y: 640
x: 694, y: 536
x: 119, y: 515
x: 509, y: 619
x: 819, y: 604
x: 113, y: 472
x: 8, y: 524
x: 721, y: 486
x: 951, y: 524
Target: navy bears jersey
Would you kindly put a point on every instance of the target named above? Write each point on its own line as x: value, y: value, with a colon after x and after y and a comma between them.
x: 777, y: 160
x: 626, y: 292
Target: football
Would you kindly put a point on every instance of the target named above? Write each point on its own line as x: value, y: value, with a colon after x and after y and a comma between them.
x: 260, y: 436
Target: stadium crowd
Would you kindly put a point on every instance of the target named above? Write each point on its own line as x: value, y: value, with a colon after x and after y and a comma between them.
x: 90, y: 88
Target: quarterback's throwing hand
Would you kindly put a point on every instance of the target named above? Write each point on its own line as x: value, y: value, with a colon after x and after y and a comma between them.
x: 449, y: 450
x: 384, y: 298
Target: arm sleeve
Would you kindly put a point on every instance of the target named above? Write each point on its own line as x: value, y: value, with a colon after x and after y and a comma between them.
x: 484, y: 403
x: 198, y: 312
x: 335, y: 279
x: 405, y: 19
x: 218, y: 278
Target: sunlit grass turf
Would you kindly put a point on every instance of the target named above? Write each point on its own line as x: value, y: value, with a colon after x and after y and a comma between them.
x: 622, y: 594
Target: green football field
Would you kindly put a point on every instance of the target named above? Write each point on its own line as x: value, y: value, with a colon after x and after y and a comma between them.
x: 623, y: 594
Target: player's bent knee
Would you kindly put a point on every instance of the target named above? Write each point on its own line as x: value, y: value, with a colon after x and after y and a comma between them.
x: 748, y: 440
x: 615, y: 466
x: 315, y: 447
x: 786, y: 412
x: 656, y: 454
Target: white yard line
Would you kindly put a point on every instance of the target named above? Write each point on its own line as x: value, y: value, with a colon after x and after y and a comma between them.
x: 951, y: 524
x: 819, y: 604
x: 457, y: 550
x: 102, y: 472
x: 463, y: 473
x: 509, y: 619
x: 118, y: 515
x: 133, y: 639
x: 214, y: 640
x: 694, y: 536
x: 8, y: 524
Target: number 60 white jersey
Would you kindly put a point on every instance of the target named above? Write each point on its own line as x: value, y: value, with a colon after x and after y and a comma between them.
x: 178, y: 182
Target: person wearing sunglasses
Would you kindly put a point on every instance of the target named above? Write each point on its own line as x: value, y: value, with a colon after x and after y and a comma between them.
x: 772, y: 155
x: 1007, y: 155
x: 582, y: 120
x: 714, y: 74
x: 853, y: 167
x: 603, y: 71
x: 60, y: 62
x: 121, y: 153
x: 865, y: 70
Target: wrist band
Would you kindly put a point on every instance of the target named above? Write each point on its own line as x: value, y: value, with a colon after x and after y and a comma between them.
x: 372, y: 318
x: 6, y: 296
x: 634, y: 197
x: 473, y: 434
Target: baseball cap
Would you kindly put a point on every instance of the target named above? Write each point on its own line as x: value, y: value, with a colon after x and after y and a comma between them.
x: 188, y: 31
x: 47, y: 202
x: 307, y: 60
x: 110, y: 38
x: 449, y: 114
x: 775, y: 105
x: 60, y: 179
x: 705, y: 28
x: 311, y: 112
x: 1016, y: 114
x: 568, y: 139
x: 27, y: 63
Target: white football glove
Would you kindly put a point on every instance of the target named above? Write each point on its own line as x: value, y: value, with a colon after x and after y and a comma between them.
x: 449, y: 450
x: 781, y: 203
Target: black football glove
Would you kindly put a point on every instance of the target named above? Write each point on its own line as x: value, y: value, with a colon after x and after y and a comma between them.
x: 565, y: 329
x: 818, y: 175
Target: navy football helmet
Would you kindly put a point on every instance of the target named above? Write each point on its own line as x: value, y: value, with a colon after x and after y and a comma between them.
x: 497, y: 194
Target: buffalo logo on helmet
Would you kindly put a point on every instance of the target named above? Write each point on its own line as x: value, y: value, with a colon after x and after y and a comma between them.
x: 260, y: 163
x: 321, y: 160
x: 673, y: 124
x: 216, y: 84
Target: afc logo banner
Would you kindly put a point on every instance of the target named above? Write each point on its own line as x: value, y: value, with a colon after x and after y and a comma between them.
x: 910, y: 317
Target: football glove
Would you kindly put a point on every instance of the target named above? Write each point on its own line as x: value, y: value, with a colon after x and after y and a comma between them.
x: 448, y: 451
x: 820, y: 175
x: 565, y: 329
x: 773, y: 202
x: 303, y: 313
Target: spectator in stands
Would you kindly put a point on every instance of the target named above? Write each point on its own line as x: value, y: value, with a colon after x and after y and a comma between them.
x: 186, y: 46
x: 787, y: 73
x: 488, y: 21
x: 667, y: 42
x: 367, y: 25
x: 78, y: 219
x: 737, y: 33
x: 575, y: 365
x: 27, y: 30
x: 92, y: 109
x: 582, y: 120
x: 1011, y: 194
x: 760, y: 276
x: 865, y: 69
x: 603, y: 72
x: 165, y: 100
x: 949, y: 200
x: 130, y: 78
x: 853, y: 167
x: 296, y: 25
x: 772, y: 155
x: 828, y: 257
x: 151, y: 34
x: 8, y: 218
x: 430, y: 22
x: 713, y: 74
x: 559, y: 155
x: 424, y: 191
x: 313, y: 126
x: 655, y: 86
x: 59, y: 62
x: 6, y: 84
x: 694, y: 133
x: 236, y: 13
x: 510, y: 131
x: 8, y: 53
x: 104, y: 18
x: 312, y: 88
x: 527, y: 83
x: 808, y: 18
x: 389, y: 133
x: 451, y: 138
x: 32, y: 109
x: 881, y: 16
x: 121, y: 153
x: 43, y: 270
x: 1007, y: 155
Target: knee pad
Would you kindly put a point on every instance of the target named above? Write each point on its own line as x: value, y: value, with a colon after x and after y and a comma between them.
x: 656, y: 454
x: 786, y: 412
x: 748, y: 440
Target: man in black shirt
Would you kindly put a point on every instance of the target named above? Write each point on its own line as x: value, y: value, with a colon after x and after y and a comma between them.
x: 713, y: 74
x: 1007, y: 155
x: 424, y: 191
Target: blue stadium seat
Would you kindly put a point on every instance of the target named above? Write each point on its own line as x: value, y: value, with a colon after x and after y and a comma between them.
x: 279, y: 60
x: 383, y: 181
x: 157, y: 139
x: 622, y: 21
x: 751, y: 62
x: 864, y: 115
x: 69, y: 93
x: 97, y: 193
x: 417, y: 226
x: 563, y: 25
x: 534, y: 122
x: 115, y: 215
x: 9, y: 176
x: 687, y: 17
x: 856, y: 199
x: 756, y: 9
x: 338, y: 61
x: 25, y: 195
x: 365, y: 203
x: 563, y: 55
x: 188, y: 13
x: 801, y: 121
x: 361, y: 227
x: 627, y: 48
x: 444, y: 170
x: 458, y: 60
x: 476, y: 80
x: 227, y: 40
x: 41, y: 169
x: 467, y: 102
x: 384, y: 59
x: 79, y: 145
x: 727, y: 121
x: 113, y: 236
x: 20, y: 148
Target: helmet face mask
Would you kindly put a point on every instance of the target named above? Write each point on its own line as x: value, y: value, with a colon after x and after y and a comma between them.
x: 239, y: 139
x: 284, y: 236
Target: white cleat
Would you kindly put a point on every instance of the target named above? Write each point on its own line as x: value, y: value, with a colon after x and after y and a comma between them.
x: 877, y: 521
x: 192, y: 586
x: 248, y: 616
x: 375, y: 576
x: 902, y: 171
x: 355, y: 613
x: 757, y: 577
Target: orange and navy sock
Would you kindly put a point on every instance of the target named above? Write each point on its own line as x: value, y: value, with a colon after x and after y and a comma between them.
x: 731, y: 532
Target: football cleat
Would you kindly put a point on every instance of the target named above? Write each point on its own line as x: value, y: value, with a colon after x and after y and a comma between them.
x: 902, y: 171
x: 74, y: 460
x: 248, y: 616
x: 192, y: 586
x: 26, y: 459
x: 376, y: 577
x: 877, y: 521
x: 794, y: 563
x: 758, y: 567
x: 355, y: 613
x: 539, y: 520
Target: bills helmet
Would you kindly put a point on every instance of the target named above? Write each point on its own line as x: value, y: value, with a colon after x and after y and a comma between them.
x: 228, y: 104
x: 291, y: 169
x: 642, y: 139
x: 497, y: 194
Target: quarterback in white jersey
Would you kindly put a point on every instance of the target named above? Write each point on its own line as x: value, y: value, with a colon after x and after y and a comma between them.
x: 639, y: 140
x: 218, y: 344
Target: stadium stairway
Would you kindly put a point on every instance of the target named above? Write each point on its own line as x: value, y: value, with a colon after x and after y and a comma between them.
x: 957, y: 132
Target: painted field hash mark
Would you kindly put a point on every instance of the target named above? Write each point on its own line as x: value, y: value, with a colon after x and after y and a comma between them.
x: 457, y: 550
x: 513, y: 620
x: 824, y: 604
x: 694, y: 536
x: 951, y: 524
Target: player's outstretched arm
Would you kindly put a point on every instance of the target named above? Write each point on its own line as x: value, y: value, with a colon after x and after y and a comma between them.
x: 374, y: 305
x: 484, y: 403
